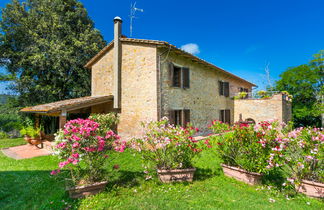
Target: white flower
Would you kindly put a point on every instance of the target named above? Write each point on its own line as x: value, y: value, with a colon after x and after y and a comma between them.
x: 272, y: 200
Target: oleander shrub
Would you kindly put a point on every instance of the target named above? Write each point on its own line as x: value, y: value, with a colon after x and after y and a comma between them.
x: 83, y: 147
x: 165, y: 146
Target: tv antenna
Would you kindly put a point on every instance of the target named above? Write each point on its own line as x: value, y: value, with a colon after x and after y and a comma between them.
x: 132, y: 16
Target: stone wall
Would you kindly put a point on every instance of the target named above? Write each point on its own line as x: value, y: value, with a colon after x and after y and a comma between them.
x: 102, y: 75
x: 138, y: 86
x: 202, y: 98
x: 276, y: 107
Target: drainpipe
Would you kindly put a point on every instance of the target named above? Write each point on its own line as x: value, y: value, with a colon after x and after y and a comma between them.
x: 160, y: 78
x: 117, y: 62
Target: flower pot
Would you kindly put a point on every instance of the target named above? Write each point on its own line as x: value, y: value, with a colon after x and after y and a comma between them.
x: 86, y: 190
x: 250, y: 178
x: 35, y: 141
x: 27, y: 139
x: 176, y: 175
x: 311, y: 189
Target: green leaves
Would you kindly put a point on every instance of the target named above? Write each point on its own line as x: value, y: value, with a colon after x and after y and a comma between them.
x: 46, y: 43
x: 305, y: 82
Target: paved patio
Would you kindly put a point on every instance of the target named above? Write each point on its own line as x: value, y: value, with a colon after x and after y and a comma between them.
x: 27, y: 151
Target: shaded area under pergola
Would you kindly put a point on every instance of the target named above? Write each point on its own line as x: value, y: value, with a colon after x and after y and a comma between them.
x: 62, y: 108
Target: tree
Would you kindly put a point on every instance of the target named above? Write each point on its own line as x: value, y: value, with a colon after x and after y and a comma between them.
x: 44, y: 45
x: 305, y: 83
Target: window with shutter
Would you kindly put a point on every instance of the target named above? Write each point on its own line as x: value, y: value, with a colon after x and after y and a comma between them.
x: 176, y: 76
x: 185, y: 77
x: 221, y: 88
x: 179, y: 117
x: 179, y: 76
x: 225, y: 116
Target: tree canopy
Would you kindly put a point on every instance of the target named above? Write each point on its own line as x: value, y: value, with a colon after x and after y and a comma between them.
x: 305, y: 83
x: 44, y: 45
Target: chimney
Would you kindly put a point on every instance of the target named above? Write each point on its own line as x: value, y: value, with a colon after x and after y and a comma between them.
x: 117, y: 62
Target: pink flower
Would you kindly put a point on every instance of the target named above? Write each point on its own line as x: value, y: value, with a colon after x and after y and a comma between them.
x: 61, y: 145
x: 54, y: 172
x: 76, y: 138
x: 74, y: 162
x: 75, y: 145
x: 75, y: 155
x: 62, y: 164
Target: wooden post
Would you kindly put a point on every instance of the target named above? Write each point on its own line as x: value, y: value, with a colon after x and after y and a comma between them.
x: 36, y: 120
x: 62, y: 119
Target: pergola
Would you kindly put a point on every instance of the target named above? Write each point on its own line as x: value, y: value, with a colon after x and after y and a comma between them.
x: 62, y: 108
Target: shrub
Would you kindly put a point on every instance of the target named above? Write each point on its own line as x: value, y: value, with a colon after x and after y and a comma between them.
x: 302, y: 155
x: 218, y: 127
x: 165, y: 146
x: 263, y: 94
x: 247, y: 146
x: 83, y: 147
x: 30, y: 131
x: 107, y: 121
x: 3, y: 135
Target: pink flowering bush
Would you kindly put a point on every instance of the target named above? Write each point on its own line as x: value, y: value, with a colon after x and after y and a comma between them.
x: 301, y: 155
x: 83, y: 146
x: 247, y: 146
x: 165, y: 146
x: 218, y: 127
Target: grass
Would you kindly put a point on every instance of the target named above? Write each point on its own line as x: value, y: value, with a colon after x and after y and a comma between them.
x: 26, y: 184
x: 4, y: 143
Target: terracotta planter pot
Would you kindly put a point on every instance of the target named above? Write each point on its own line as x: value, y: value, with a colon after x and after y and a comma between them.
x: 242, y: 175
x: 311, y: 189
x: 176, y: 175
x: 28, y: 139
x: 86, y: 190
x: 35, y: 141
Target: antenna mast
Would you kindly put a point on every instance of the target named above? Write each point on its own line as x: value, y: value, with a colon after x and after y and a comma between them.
x: 133, y: 10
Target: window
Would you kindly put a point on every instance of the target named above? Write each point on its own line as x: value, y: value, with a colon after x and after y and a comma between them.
x: 244, y: 90
x: 223, y: 88
x: 225, y: 116
x: 179, y: 76
x: 179, y: 117
x: 176, y: 82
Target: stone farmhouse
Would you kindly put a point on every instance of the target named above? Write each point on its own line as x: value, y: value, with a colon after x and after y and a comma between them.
x: 145, y: 80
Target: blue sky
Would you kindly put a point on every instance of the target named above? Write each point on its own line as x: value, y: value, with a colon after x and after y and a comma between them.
x: 239, y: 36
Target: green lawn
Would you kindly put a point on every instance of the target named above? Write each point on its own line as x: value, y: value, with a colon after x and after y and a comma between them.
x: 4, y: 143
x: 26, y: 184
